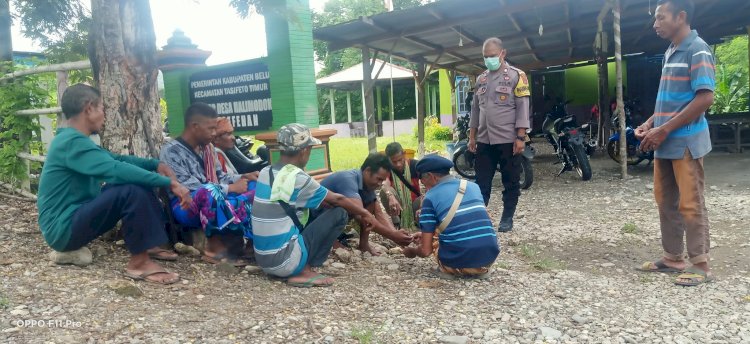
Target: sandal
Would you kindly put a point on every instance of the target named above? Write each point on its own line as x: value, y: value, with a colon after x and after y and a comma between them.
x: 144, y: 276
x: 162, y: 254
x: 311, y: 282
x: 657, y: 266
x: 694, y: 277
x: 224, y: 258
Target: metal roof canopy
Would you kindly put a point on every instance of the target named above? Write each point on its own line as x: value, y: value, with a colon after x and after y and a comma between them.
x: 449, y: 33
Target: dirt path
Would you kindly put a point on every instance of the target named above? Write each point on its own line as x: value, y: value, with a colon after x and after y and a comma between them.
x: 564, y: 275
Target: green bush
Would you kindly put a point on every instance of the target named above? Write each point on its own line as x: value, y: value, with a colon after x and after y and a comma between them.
x: 433, y: 130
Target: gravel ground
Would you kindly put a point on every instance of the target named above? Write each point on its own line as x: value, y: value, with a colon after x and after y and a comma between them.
x: 564, y: 275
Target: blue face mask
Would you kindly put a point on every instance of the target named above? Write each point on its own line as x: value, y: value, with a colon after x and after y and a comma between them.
x: 492, y: 63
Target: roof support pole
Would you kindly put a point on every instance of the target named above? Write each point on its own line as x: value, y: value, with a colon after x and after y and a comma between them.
x: 600, y: 47
x: 348, y: 106
x: 379, y: 120
x: 333, y: 106
x: 421, y: 76
x: 368, y: 103
x: 620, y: 104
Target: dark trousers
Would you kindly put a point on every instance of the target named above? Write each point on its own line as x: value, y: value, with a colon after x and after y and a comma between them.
x: 138, y: 208
x: 321, y: 232
x: 487, y: 159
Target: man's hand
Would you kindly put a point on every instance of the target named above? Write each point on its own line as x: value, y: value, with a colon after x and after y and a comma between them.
x: 416, y: 237
x: 166, y: 171
x: 394, y: 206
x: 640, y: 133
x: 654, y: 138
x: 238, y: 187
x: 252, y: 176
x: 401, y: 237
x: 472, y: 145
x: 182, y: 193
x: 518, y: 147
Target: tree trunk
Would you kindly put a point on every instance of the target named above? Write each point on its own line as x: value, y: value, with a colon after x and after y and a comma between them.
x: 123, y: 59
x: 6, y: 44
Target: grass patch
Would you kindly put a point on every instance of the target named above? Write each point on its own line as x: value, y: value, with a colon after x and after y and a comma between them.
x: 4, y: 302
x: 363, y: 335
x: 630, y: 228
x: 502, y: 265
x: 529, y: 251
x: 546, y: 264
x: 349, y: 153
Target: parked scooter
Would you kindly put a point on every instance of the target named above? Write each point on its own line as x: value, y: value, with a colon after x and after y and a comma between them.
x: 244, y: 160
x: 464, y: 160
x: 569, y: 141
x: 634, y: 154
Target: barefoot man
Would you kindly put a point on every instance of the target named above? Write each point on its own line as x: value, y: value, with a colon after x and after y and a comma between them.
x: 678, y: 132
x: 360, y: 186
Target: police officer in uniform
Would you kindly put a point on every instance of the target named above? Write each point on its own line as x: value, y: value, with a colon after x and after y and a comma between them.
x: 499, y: 119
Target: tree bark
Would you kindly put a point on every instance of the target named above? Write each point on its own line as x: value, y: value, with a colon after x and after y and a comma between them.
x: 6, y: 44
x: 123, y: 59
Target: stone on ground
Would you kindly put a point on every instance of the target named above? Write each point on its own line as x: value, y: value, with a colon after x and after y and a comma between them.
x: 79, y: 257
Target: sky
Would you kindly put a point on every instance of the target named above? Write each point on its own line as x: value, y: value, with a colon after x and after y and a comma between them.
x: 211, y: 24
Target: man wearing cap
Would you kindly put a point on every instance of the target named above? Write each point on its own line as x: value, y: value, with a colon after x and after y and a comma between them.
x: 499, y: 119
x: 466, y: 245
x: 287, y: 244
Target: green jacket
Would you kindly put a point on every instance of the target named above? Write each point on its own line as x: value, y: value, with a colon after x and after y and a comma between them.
x: 72, y: 176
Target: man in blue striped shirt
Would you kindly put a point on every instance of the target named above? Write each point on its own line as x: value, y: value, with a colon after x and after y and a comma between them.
x: 468, y: 244
x: 678, y: 132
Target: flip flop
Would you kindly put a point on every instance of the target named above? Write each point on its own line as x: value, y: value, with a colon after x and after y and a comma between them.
x: 657, y: 266
x: 311, y: 282
x: 223, y: 258
x: 694, y: 276
x: 144, y: 276
x: 159, y: 255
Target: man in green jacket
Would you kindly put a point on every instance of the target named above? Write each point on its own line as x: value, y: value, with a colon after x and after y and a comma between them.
x: 73, y: 207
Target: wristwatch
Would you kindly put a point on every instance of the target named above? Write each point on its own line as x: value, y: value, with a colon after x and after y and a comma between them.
x: 521, y: 138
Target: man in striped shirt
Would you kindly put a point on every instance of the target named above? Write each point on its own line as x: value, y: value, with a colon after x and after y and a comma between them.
x: 467, y: 246
x: 283, y: 196
x: 678, y: 132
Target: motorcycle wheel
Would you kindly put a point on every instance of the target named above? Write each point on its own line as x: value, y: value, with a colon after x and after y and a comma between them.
x: 613, y: 149
x: 463, y: 163
x: 527, y: 173
x: 582, y: 164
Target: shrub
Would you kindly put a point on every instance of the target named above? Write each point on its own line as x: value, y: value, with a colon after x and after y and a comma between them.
x: 433, y: 130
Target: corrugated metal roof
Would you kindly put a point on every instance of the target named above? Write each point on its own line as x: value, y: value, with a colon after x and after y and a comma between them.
x: 433, y: 33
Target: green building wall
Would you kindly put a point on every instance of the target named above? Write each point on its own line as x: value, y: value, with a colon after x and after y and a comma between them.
x: 582, y: 84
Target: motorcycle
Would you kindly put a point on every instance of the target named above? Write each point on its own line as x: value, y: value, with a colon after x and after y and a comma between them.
x: 634, y: 154
x: 244, y: 160
x: 569, y: 141
x: 464, y: 160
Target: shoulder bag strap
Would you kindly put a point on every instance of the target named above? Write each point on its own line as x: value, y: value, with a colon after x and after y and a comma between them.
x: 288, y: 209
x: 454, y: 207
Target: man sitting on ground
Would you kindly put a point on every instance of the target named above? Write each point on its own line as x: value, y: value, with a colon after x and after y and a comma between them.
x: 454, y: 222
x: 360, y: 186
x: 402, y: 191
x: 286, y: 245
x: 224, y: 141
x: 222, y: 201
x: 73, y: 207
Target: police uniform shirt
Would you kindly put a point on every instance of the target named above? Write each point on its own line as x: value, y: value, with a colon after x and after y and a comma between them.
x: 500, y: 105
